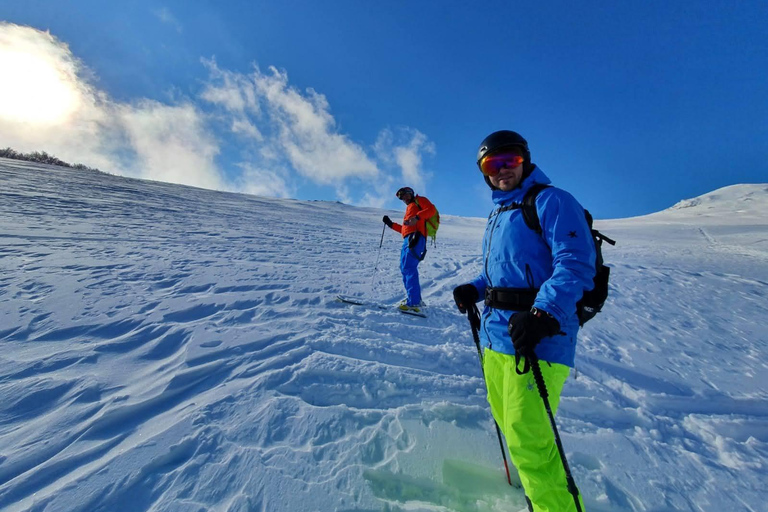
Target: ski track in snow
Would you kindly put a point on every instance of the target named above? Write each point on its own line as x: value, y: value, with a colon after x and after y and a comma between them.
x: 171, y: 348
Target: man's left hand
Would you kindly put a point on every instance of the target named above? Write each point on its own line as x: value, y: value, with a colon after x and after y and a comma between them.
x: 528, y: 328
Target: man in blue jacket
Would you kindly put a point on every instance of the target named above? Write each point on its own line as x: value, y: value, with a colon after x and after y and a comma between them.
x: 530, y: 283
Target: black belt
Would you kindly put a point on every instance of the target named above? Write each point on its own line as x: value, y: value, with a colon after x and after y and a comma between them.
x: 511, y: 299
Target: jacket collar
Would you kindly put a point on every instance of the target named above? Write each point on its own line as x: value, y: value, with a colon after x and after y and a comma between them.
x: 518, y: 193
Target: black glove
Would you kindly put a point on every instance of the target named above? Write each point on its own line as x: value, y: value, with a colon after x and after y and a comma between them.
x: 465, y: 295
x: 387, y: 221
x: 528, y: 328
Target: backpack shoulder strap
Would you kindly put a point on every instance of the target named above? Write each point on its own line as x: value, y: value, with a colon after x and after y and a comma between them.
x: 528, y: 205
x: 530, y: 215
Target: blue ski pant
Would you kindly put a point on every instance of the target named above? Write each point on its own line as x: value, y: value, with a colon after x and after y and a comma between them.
x: 409, y: 266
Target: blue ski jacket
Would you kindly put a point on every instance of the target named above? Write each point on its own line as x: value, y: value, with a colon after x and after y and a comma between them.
x: 560, y: 262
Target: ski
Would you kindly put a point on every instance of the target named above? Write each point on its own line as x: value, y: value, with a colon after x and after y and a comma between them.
x: 360, y: 301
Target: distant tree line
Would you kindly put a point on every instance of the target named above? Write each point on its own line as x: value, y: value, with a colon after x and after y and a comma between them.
x: 41, y: 157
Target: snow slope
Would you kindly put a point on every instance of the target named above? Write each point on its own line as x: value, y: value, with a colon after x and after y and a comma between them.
x: 170, y: 348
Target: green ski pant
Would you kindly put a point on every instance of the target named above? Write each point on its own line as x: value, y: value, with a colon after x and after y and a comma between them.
x: 519, y: 411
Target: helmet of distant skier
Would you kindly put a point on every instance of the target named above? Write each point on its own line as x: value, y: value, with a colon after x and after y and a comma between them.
x: 405, y: 191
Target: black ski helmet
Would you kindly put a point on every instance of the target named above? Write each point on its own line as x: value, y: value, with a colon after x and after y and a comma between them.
x: 405, y: 190
x: 505, y: 139
x: 500, y: 140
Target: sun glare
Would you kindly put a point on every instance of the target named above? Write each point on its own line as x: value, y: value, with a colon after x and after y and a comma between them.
x: 33, y: 90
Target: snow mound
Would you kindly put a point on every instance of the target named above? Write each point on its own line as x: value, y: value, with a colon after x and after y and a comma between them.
x: 744, y: 198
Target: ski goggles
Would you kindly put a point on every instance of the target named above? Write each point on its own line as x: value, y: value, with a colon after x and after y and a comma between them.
x: 490, y: 165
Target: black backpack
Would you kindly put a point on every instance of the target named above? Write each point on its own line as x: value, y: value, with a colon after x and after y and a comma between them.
x: 592, y: 301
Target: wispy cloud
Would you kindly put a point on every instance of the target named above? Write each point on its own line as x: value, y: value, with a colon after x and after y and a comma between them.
x: 146, y: 139
x: 284, y: 137
x: 297, y: 125
x: 264, y: 182
x: 165, y: 15
x: 404, y: 148
x: 171, y: 143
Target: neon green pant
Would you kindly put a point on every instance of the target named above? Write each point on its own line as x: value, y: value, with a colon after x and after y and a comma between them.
x: 519, y: 411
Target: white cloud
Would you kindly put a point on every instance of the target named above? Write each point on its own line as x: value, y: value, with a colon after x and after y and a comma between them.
x: 50, y: 94
x: 37, y: 68
x: 409, y: 158
x: 307, y: 133
x: 232, y: 91
x: 264, y: 182
x: 284, y: 136
x: 148, y: 139
x: 171, y: 143
x: 299, y: 124
x: 376, y: 200
x: 246, y: 129
x: 404, y: 149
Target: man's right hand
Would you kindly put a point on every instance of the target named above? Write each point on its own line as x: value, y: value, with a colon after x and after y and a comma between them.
x: 465, y: 296
x: 387, y: 221
x: 528, y: 328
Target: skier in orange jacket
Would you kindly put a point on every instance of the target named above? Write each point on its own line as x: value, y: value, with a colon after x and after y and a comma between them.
x: 418, y: 210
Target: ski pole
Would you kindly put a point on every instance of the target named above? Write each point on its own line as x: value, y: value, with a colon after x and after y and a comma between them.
x: 473, y: 315
x: 376, y: 267
x: 539, y: 378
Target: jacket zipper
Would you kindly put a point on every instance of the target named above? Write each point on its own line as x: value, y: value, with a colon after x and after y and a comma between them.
x: 487, y: 275
x: 488, y: 248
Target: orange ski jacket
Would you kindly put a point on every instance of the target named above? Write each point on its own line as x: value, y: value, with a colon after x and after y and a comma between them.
x: 412, y: 210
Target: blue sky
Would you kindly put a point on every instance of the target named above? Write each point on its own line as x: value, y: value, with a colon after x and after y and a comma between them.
x: 631, y: 106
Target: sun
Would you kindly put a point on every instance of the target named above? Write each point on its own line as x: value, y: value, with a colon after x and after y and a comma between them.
x: 35, y: 90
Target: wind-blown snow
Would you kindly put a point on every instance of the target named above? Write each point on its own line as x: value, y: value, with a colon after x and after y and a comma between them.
x: 170, y: 348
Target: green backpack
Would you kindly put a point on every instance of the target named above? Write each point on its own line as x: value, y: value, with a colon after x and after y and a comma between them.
x: 432, y: 223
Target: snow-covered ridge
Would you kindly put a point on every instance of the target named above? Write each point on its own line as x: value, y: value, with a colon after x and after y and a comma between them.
x: 170, y: 348
x: 751, y: 198
x: 731, y: 220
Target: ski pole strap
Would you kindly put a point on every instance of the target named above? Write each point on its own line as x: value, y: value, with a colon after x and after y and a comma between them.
x: 510, y: 299
x: 526, y: 365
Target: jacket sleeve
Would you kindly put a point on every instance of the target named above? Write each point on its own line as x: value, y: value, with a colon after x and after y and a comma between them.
x: 397, y: 227
x: 480, y: 284
x: 567, y: 233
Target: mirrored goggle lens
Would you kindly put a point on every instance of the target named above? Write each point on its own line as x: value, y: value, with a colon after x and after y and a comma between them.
x: 492, y: 164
